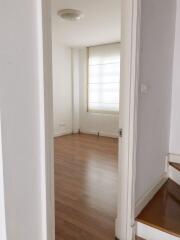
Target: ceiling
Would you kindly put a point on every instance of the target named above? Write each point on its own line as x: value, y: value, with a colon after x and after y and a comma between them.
x: 101, y: 24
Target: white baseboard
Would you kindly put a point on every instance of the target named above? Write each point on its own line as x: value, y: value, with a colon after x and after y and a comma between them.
x: 75, y: 131
x: 85, y: 131
x: 145, y: 199
x: 105, y: 134
x: 102, y: 134
x: 150, y: 233
x: 63, y: 133
x: 174, y: 158
x: 174, y: 174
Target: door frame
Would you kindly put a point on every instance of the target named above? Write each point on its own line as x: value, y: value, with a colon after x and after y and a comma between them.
x: 125, y: 223
x: 130, y: 48
x: 46, y: 103
x: 3, y: 229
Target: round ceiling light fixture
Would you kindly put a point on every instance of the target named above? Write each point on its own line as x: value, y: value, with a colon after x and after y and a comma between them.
x: 70, y: 14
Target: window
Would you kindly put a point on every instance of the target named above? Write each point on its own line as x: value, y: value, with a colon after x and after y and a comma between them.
x: 104, y: 78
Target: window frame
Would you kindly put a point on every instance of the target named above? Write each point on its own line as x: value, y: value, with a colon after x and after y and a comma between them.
x: 87, y: 84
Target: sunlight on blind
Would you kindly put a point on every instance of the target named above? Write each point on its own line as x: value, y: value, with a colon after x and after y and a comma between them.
x: 104, y: 78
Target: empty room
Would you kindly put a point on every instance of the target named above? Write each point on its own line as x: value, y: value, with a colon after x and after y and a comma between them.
x: 86, y: 93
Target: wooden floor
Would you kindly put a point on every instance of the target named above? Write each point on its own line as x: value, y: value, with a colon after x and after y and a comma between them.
x: 85, y: 187
x: 163, y: 211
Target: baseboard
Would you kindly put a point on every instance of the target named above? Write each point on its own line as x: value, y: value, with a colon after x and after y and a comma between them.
x: 146, y: 198
x: 150, y: 233
x: 75, y: 131
x: 60, y: 134
x: 174, y: 157
x: 100, y: 133
x: 105, y: 134
x: 85, y: 131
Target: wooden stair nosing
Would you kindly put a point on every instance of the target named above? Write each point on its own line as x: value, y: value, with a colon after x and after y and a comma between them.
x: 170, y: 188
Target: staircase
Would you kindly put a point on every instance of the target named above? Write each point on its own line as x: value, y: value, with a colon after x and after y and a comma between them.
x: 160, y: 219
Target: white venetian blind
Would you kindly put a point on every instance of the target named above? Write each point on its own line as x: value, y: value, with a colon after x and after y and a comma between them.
x: 104, y: 78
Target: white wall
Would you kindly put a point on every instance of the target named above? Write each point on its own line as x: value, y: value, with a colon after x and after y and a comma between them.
x: 20, y: 111
x: 76, y: 89
x: 156, y: 56
x: 175, y: 114
x: 62, y: 89
x: 105, y: 124
x: 70, y: 99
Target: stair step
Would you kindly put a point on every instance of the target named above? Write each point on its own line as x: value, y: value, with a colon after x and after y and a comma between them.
x: 174, y: 172
x: 175, y: 165
x: 174, y: 191
x: 163, y: 211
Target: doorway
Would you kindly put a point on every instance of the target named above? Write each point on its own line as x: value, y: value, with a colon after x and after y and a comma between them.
x: 126, y: 168
x: 86, y: 93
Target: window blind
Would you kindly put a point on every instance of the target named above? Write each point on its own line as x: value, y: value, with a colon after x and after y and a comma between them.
x: 104, y: 78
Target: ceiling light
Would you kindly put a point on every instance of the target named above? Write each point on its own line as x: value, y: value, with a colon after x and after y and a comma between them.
x: 70, y: 14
